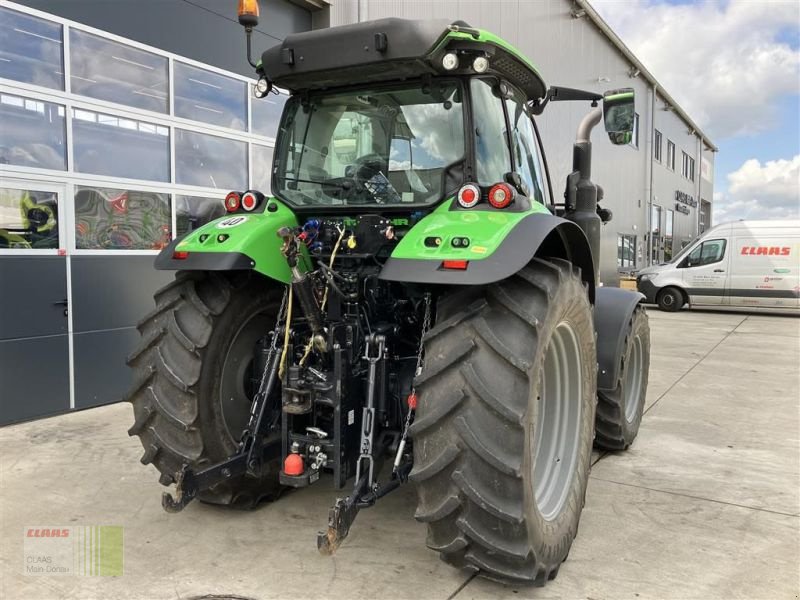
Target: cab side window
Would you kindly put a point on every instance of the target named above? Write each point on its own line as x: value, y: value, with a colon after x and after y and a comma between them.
x: 523, y: 148
x: 709, y: 252
x: 492, y: 156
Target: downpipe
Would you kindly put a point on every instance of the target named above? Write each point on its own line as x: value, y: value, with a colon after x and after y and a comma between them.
x: 582, y: 195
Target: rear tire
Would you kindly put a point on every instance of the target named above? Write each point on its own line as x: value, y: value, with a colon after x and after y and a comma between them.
x: 670, y: 299
x: 619, y: 411
x: 190, y: 394
x: 504, y: 425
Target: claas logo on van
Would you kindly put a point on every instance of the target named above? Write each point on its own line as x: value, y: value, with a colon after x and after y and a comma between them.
x: 768, y: 250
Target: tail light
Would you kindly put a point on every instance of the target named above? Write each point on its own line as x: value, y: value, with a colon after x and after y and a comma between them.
x: 501, y: 195
x: 251, y: 200
x: 469, y: 195
x: 232, y: 202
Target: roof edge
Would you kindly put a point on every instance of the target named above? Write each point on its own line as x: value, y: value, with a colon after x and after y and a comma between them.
x: 628, y: 53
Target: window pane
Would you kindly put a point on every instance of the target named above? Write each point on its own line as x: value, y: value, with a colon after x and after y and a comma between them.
x: 204, y: 96
x: 113, y: 219
x: 111, y: 71
x: 109, y: 145
x: 210, y: 161
x: 524, y: 148
x: 31, y: 50
x: 28, y: 219
x: 266, y: 113
x: 32, y: 133
x: 262, y: 168
x: 712, y: 251
x: 491, y: 144
x: 193, y: 212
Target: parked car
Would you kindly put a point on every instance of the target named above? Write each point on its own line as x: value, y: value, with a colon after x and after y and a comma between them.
x: 743, y: 263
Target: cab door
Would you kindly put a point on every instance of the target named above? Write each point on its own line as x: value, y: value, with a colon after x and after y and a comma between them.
x: 34, y: 310
x: 705, y: 272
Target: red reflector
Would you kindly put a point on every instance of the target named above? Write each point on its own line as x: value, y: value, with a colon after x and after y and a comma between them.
x: 293, y: 465
x: 232, y: 202
x: 459, y: 265
x: 412, y: 401
x: 501, y: 195
x: 469, y: 195
x: 180, y: 255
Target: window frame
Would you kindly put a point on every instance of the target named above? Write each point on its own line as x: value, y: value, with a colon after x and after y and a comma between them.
x: 631, y: 238
x: 635, y: 134
x: 21, y: 183
x: 657, y: 146
x: 671, y: 154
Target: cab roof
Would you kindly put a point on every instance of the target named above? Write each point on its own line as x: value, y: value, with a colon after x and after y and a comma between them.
x: 390, y: 50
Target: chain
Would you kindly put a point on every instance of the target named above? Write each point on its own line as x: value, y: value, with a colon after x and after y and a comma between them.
x: 412, y: 397
x: 426, y: 325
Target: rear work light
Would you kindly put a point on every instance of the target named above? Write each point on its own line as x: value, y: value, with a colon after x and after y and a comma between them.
x: 232, y: 201
x: 251, y: 200
x: 455, y: 265
x: 501, y: 195
x: 469, y: 195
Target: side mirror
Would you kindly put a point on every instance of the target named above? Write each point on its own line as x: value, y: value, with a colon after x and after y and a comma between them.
x: 618, y: 115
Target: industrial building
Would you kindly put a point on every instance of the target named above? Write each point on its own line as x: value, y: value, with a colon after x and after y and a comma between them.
x: 123, y: 124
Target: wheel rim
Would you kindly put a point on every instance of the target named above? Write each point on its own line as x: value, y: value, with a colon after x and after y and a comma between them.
x: 633, y: 380
x: 236, y: 389
x: 668, y: 299
x: 557, y: 432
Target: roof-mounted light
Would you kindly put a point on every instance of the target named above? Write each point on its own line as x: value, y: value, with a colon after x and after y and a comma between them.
x: 233, y: 201
x: 480, y: 64
x: 450, y: 61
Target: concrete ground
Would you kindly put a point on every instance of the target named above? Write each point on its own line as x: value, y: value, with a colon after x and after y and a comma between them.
x: 706, y: 504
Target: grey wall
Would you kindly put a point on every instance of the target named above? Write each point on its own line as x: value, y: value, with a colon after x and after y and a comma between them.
x: 574, y: 53
x: 203, y: 30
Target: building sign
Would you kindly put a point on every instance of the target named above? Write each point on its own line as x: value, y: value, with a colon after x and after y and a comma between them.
x: 706, y: 171
x: 684, y: 201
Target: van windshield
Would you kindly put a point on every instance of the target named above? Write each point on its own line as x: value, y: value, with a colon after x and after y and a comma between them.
x: 683, y: 251
x: 390, y: 146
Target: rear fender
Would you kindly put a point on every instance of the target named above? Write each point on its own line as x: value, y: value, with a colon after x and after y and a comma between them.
x: 533, y: 234
x: 613, y: 309
x: 241, y: 241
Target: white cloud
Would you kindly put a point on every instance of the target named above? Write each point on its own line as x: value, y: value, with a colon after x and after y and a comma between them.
x: 722, y: 60
x: 761, y: 191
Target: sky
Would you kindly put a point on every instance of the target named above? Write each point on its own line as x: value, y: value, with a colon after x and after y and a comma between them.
x: 734, y: 67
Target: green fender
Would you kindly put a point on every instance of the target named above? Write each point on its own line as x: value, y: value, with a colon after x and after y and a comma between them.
x: 242, y: 241
x: 500, y: 243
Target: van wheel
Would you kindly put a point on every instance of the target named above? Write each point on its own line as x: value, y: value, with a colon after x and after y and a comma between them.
x: 670, y: 299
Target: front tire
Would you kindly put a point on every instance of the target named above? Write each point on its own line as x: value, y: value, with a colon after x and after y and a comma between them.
x: 504, y: 425
x: 670, y: 299
x: 619, y: 411
x: 193, y: 378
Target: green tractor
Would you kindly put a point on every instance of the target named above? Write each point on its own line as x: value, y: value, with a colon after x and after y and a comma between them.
x: 408, y: 302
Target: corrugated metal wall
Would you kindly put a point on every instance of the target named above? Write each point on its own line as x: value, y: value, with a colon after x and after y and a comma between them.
x: 573, y: 52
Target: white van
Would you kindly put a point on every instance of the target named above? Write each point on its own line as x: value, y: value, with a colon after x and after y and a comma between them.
x: 744, y: 263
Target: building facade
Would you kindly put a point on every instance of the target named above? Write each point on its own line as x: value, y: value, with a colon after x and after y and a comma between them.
x: 123, y: 124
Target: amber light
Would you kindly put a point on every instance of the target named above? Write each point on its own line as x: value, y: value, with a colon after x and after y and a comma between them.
x: 248, y: 7
x: 455, y: 265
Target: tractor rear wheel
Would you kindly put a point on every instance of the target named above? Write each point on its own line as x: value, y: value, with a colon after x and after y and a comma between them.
x: 619, y: 411
x: 504, y: 425
x: 194, y: 377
